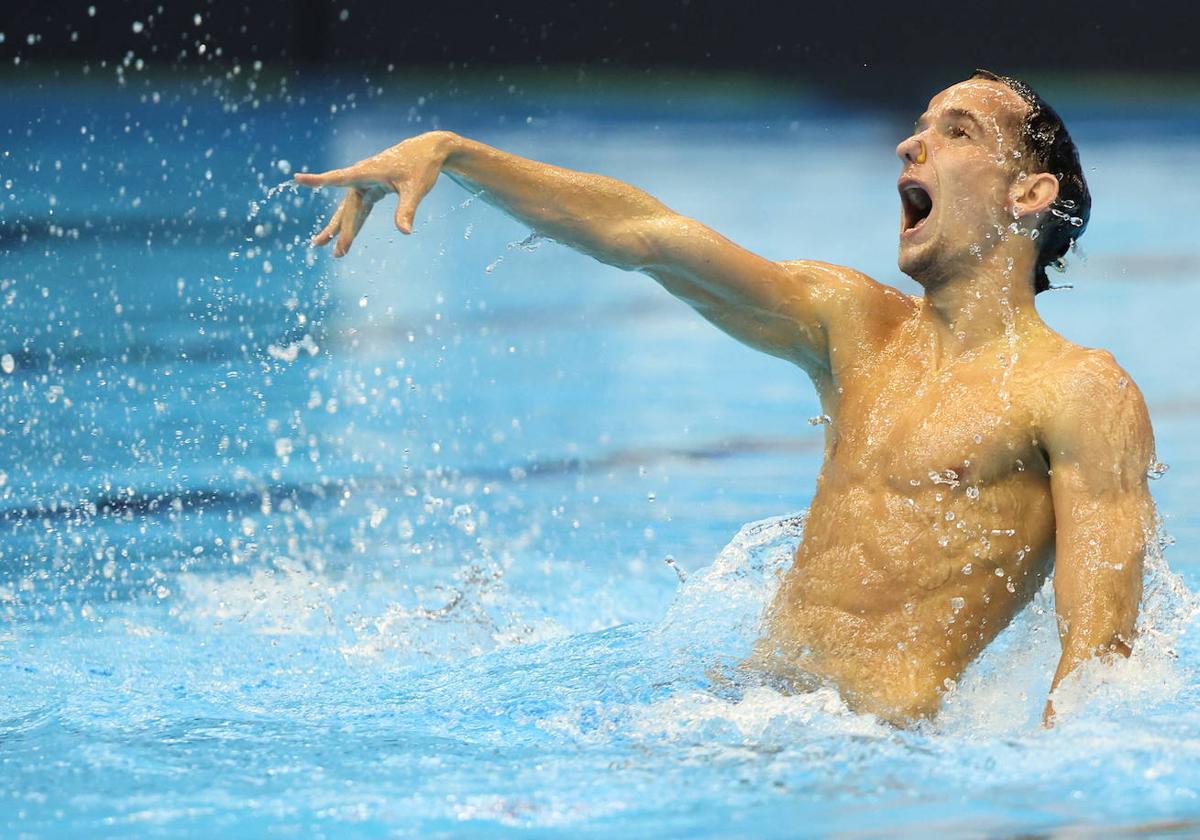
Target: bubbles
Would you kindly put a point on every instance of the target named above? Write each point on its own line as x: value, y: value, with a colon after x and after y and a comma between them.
x: 7, y: 363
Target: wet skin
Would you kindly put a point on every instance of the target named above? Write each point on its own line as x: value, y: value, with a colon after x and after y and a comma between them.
x: 934, y: 520
x: 971, y: 448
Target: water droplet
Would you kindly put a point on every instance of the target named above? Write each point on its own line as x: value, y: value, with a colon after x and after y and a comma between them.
x: 680, y: 573
x: 362, y: 301
x: 972, y: 493
x: 957, y: 603
x: 1156, y: 470
x: 138, y: 26
x: 8, y: 363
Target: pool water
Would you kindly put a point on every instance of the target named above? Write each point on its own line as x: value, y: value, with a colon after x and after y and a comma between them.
x: 380, y: 546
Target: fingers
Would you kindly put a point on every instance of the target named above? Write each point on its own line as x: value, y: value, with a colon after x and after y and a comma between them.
x: 330, y: 229
x: 350, y: 176
x: 411, y: 194
x: 332, y: 178
x: 356, y: 207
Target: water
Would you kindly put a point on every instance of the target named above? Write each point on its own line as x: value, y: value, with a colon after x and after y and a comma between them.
x: 381, y: 545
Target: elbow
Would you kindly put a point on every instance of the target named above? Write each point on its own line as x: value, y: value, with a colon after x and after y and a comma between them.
x: 641, y: 243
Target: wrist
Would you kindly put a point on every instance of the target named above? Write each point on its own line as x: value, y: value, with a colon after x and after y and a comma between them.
x: 449, y: 146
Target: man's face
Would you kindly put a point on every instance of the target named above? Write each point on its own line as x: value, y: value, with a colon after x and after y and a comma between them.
x: 962, y: 159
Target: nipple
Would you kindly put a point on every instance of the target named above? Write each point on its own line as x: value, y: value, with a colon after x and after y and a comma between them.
x: 921, y: 156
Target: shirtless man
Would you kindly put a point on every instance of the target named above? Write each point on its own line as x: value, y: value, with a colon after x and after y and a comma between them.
x: 971, y: 447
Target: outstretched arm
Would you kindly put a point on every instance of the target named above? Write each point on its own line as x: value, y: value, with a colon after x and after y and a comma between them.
x: 782, y: 309
x: 1100, y: 445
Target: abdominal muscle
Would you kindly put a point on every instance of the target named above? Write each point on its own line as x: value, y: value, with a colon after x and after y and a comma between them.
x: 893, y: 592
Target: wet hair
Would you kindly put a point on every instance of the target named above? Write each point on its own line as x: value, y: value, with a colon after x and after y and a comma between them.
x: 1052, y: 150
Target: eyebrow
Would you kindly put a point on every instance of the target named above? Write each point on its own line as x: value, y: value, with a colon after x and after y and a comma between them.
x: 960, y: 113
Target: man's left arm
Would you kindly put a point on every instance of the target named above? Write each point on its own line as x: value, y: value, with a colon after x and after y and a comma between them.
x: 1100, y: 445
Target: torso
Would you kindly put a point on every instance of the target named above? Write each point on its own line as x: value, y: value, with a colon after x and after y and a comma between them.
x: 932, y: 523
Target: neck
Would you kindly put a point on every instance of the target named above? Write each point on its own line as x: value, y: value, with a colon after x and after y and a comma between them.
x: 991, y: 298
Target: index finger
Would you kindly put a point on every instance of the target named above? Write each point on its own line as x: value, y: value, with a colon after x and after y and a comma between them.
x: 347, y: 177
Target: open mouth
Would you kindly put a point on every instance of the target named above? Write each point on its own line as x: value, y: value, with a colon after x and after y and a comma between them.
x: 916, y: 205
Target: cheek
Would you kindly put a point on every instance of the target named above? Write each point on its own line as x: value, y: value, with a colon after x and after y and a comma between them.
x: 985, y: 188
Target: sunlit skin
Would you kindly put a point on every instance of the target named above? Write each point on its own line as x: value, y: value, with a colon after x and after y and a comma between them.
x: 971, y: 450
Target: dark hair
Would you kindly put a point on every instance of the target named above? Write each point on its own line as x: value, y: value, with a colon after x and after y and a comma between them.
x: 1047, y: 142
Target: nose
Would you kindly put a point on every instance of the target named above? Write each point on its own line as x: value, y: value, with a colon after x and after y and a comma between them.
x: 911, y: 150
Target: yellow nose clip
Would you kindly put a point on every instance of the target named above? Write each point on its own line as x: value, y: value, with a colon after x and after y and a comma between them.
x: 921, y: 154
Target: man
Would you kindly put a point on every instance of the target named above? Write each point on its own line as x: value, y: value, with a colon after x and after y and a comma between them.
x: 971, y: 447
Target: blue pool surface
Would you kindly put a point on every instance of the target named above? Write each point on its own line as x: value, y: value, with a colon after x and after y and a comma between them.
x: 378, y: 546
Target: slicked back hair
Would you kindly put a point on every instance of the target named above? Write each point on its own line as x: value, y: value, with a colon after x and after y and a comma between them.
x: 1049, y: 145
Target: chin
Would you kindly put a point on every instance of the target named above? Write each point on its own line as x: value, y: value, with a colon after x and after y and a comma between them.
x: 919, y: 262
x: 929, y: 262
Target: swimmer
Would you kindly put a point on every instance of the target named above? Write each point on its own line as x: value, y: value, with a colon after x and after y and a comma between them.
x: 971, y: 448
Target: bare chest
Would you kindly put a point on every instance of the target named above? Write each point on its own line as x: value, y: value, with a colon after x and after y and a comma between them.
x: 908, y: 425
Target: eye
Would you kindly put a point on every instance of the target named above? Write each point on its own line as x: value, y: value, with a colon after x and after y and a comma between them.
x: 956, y: 131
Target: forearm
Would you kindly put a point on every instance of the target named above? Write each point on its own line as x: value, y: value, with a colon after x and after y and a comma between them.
x: 1097, y: 599
x: 602, y: 217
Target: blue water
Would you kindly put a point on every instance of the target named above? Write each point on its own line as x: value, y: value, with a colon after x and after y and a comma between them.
x: 377, y: 546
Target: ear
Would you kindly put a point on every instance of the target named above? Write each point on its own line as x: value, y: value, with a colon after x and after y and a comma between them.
x: 1033, y: 194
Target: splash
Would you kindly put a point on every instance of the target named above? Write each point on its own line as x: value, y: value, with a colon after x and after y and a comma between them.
x: 530, y: 243
x: 257, y: 205
x: 717, y: 615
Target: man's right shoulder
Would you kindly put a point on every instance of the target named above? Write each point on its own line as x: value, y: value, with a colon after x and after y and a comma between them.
x: 843, y: 292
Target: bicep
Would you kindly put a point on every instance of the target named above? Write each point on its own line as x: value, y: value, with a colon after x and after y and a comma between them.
x: 787, y: 309
x: 1099, y: 444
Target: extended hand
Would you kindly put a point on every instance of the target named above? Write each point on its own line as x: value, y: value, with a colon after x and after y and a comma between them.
x: 408, y: 169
